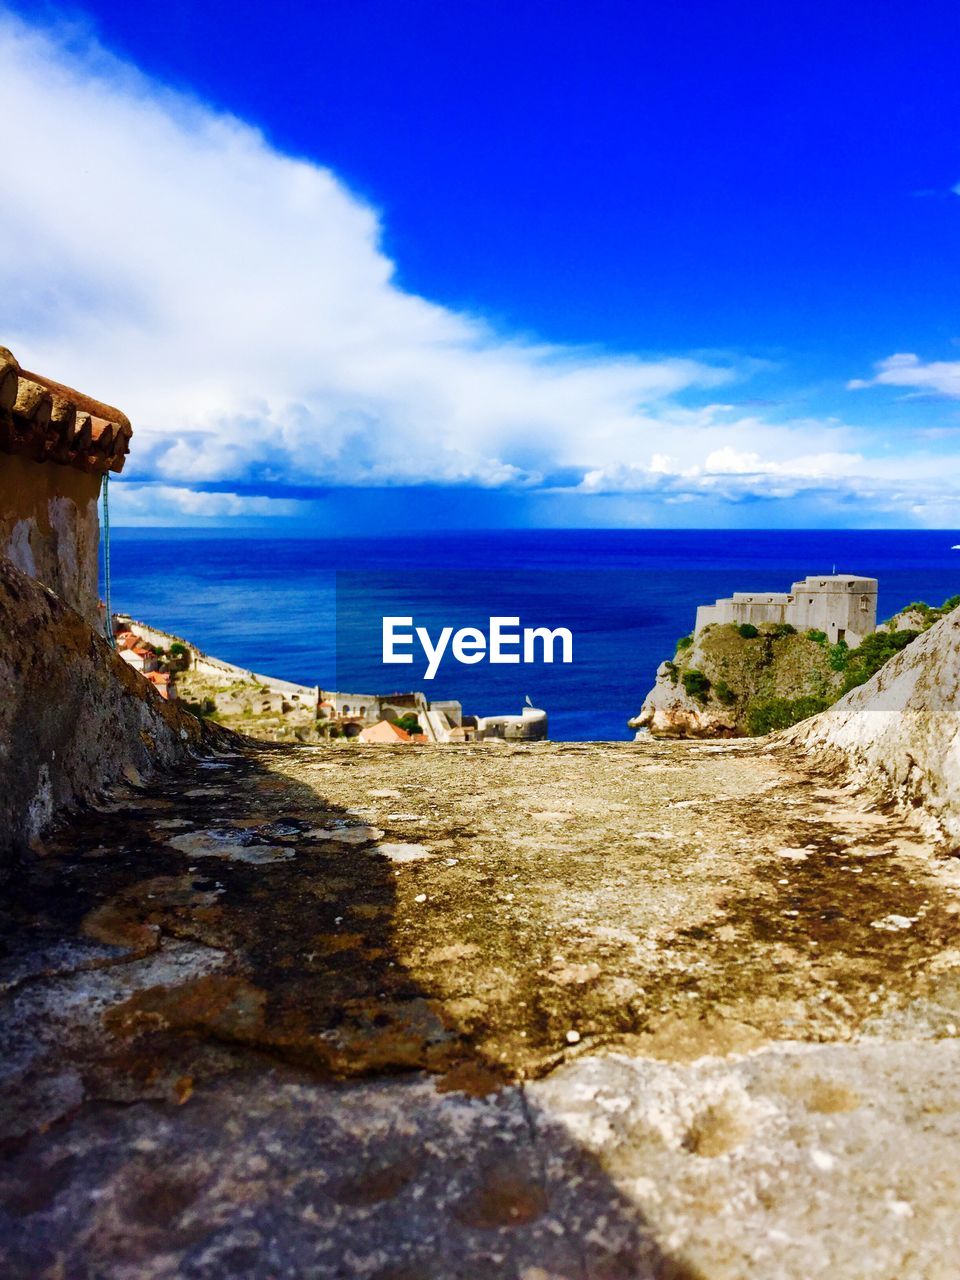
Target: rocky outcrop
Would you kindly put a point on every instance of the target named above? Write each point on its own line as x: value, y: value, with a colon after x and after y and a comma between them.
x: 668, y: 711
x: 726, y: 682
x: 900, y: 732
x: 74, y: 717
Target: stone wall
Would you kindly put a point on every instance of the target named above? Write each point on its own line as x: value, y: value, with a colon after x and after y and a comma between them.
x: 529, y: 726
x: 74, y: 717
x: 49, y: 528
x: 899, y: 734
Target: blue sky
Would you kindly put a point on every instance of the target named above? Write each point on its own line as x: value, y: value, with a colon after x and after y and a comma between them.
x: 607, y: 264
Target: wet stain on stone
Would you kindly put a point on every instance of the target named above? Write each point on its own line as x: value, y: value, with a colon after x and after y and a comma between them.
x: 506, y: 1196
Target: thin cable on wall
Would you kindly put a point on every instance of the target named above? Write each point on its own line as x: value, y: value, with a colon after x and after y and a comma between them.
x: 108, y: 621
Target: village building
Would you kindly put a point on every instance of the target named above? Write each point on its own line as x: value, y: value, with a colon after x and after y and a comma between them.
x: 385, y: 731
x: 141, y: 658
x: 165, y: 684
x: 842, y: 606
x: 352, y: 715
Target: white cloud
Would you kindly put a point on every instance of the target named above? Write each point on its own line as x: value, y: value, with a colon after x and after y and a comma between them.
x: 907, y: 370
x: 146, y: 503
x: 237, y: 304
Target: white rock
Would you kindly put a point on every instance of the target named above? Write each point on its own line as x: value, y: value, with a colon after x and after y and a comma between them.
x: 346, y: 835
x: 224, y: 844
x: 893, y: 923
x: 404, y: 852
x: 899, y: 733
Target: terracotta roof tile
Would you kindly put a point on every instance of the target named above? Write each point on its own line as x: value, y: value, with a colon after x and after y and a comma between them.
x: 384, y: 731
x: 52, y: 423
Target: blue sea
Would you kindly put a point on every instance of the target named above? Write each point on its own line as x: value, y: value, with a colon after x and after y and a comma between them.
x: 271, y: 604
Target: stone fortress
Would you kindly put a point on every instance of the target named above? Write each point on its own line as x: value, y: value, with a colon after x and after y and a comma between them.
x: 841, y: 605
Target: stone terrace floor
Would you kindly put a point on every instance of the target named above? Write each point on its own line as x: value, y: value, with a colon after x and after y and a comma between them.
x: 564, y: 1011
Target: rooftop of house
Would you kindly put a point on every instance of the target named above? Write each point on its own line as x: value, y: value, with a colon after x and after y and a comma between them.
x: 385, y: 731
x: 49, y: 422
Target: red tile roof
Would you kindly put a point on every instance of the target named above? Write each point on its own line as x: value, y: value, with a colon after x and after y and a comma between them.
x: 49, y: 422
x: 384, y: 731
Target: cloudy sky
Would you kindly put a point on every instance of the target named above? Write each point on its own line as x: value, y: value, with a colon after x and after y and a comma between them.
x: 352, y: 268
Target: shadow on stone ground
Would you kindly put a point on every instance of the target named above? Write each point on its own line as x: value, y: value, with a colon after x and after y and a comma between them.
x: 210, y: 1071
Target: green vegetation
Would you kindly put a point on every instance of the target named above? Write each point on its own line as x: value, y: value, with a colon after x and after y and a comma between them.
x: 697, y: 685
x: 818, y: 637
x: 673, y: 671
x: 724, y: 693
x: 928, y: 614
x: 409, y: 723
x: 770, y: 714
x: 748, y: 631
x: 685, y: 642
x: 784, y: 629
x: 178, y: 650
x: 839, y: 655
x: 870, y: 655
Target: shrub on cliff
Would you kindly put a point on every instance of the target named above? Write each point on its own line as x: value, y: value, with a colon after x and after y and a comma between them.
x: 929, y: 612
x: 685, y: 642
x: 770, y: 714
x: 748, y: 631
x: 696, y: 684
x: 871, y: 653
x: 724, y: 693
x: 839, y: 655
x: 818, y: 637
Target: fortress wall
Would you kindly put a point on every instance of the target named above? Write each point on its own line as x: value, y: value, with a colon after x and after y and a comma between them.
x: 74, y: 717
x: 847, y: 606
x: 842, y: 607
x: 529, y: 726
x: 215, y: 667
x: 757, y: 613
x: 49, y: 528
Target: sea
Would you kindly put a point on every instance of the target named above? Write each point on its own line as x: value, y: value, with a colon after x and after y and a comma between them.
x: 309, y: 609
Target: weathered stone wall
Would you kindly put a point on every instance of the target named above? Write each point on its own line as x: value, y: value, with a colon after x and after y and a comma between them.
x: 899, y: 734
x: 49, y: 527
x: 74, y: 717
